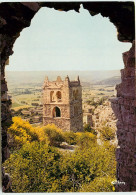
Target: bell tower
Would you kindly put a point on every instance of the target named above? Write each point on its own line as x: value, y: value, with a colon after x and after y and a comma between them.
x: 62, y: 104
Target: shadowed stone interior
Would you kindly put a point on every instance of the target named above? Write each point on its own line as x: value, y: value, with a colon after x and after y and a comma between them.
x: 14, y: 17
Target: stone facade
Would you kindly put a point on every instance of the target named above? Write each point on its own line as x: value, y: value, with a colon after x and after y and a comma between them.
x: 62, y: 104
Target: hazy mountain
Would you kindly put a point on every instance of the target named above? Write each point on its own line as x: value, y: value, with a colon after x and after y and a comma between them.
x: 110, y: 81
x: 22, y: 77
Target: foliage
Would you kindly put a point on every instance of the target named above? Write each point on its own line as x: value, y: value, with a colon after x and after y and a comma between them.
x: 37, y: 166
x: 70, y: 138
x: 54, y: 134
x: 100, y: 101
x: 21, y: 132
x: 86, y: 164
x: 107, y: 133
x: 85, y: 139
x: 87, y: 128
x: 33, y: 168
x: 99, y: 184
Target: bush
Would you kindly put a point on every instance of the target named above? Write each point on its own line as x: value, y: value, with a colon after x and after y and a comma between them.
x: 107, y: 133
x: 87, y: 165
x: 70, y: 138
x: 99, y: 184
x: 21, y: 132
x: 87, y: 128
x: 85, y: 139
x: 55, y: 135
x: 34, y: 168
x: 39, y: 167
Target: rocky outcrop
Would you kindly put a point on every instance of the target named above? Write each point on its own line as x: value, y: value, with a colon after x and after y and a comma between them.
x: 124, y: 107
x: 104, y: 114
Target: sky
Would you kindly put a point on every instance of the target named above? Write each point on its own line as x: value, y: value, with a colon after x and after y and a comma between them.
x: 58, y: 40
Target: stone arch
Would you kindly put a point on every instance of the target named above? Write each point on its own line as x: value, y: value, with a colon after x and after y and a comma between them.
x: 56, y: 112
x: 58, y: 95
x: 121, y: 14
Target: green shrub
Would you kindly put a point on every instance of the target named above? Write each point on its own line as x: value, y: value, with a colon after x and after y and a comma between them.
x: 99, y: 184
x: 87, y: 128
x: 34, y: 168
x: 107, y: 133
x: 21, y: 132
x: 55, y: 135
x: 70, y: 138
x: 85, y: 139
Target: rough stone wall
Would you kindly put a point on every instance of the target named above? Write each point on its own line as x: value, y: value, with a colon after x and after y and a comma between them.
x: 59, y: 122
x: 5, y: 116
x: 104, y: 114
x: 70, y: 104
x: 14, y: 17
x: 124, y: 107
x: 76, y: 112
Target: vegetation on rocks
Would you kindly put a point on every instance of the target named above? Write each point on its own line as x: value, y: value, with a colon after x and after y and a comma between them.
x: 107, y: 133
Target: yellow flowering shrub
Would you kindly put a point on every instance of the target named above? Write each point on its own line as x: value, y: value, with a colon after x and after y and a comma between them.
x: 37, y: 166
x: 55, y: 135
x: 85, y: 139
x: 22, y: 132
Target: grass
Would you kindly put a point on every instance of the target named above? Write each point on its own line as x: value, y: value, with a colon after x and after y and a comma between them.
x: 20, y: 107
x: 15, y: 105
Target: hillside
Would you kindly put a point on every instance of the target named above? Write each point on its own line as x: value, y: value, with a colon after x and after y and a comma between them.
x: 23, y: 77
x: 110, y: 81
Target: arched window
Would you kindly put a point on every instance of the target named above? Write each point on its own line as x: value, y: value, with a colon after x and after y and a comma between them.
x: 56, y: 112
x: 58, y: 94
x: 51, y: 96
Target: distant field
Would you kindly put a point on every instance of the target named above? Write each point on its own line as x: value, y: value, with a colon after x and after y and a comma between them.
x: 27, y: 91
x: 26, y: 100
x: 97, y: 91
x: 15, y: 105
x: 20, y: 107
x: 20, y: 100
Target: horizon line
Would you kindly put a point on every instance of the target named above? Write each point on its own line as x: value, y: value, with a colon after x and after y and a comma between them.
x: 57, y: 70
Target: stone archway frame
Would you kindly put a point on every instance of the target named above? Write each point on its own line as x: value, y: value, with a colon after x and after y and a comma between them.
x: 56, y: 112
x: 14, y: 17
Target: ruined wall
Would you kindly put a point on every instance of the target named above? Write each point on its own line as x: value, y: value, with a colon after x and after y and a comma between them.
x: 124, y: 107
x: 14, y: 17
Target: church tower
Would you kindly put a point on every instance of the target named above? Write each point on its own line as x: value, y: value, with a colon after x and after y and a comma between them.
x: 62, y: 104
